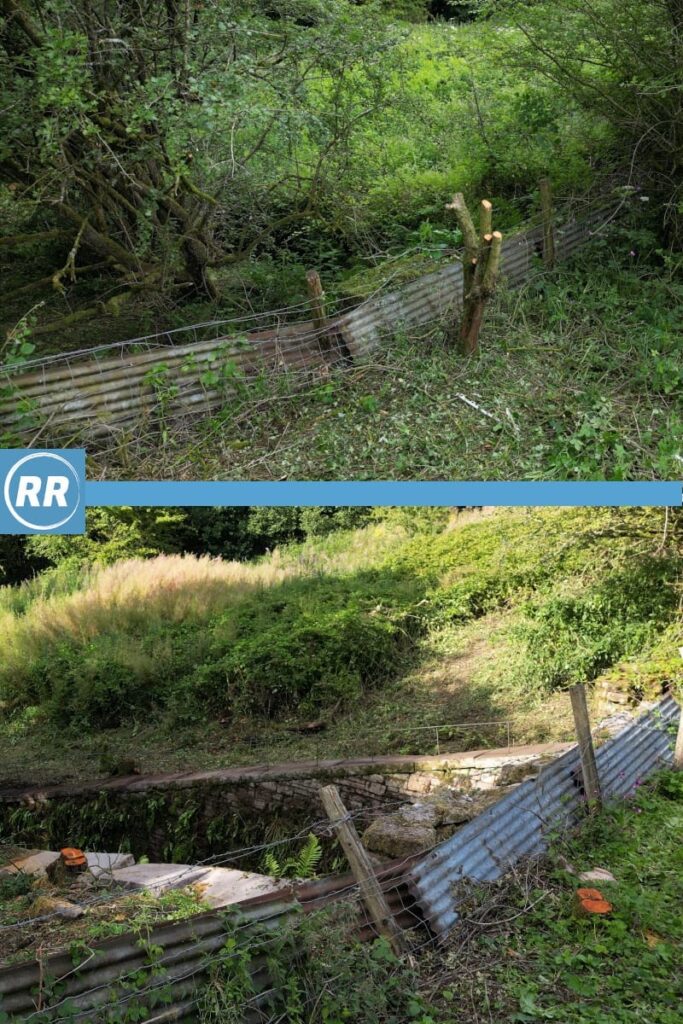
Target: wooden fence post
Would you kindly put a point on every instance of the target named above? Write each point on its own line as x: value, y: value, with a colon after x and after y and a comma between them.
x: 548, y: 215
x: 589, y: 766
x: 317, y: 299
x: 362, y: 869
x: 678, y: 749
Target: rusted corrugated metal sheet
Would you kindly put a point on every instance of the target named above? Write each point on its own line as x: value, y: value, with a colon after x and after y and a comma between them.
x: 94, y: 396
x: 99, y: 393
x: 517, y: 825
x: 431, y: 296
x: 87, y: 993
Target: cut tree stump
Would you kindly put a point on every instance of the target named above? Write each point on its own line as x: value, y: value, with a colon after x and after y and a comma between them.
x: 481, y: 265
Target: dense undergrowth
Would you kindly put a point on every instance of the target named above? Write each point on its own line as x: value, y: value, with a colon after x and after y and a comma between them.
x: 338, y: 619
x: 578, y: 377
x: 452, y: 116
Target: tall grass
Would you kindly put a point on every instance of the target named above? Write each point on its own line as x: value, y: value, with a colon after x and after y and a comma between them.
x: 136, y: 596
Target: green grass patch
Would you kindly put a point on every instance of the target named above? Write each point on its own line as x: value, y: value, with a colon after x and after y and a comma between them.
x: 532, y: 958
x: 578, y: 377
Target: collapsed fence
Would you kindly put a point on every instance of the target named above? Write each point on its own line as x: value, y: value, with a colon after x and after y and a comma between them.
x: 518, y: 825
x: 159, y: 977
x: 116, y: 387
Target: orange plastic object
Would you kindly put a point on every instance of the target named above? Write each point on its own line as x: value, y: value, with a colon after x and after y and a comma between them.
x: 74, y: 860
x: 591, y: 901
x: 588, y: 894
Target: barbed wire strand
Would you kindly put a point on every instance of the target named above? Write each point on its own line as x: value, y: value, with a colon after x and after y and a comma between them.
x: 215, y: 860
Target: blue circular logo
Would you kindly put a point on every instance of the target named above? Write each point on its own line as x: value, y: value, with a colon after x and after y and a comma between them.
x: 42, y: 491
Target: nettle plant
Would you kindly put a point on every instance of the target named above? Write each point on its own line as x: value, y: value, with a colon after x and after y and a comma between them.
x: 218, y: 374
x: 318, y: 973
x: 166, y: 390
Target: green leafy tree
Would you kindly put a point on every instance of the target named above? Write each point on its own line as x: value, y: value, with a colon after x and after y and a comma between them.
x: 113, y: 534
x: 162, y: 141
x: 621, y: 60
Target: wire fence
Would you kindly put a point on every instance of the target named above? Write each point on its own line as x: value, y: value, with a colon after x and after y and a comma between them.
x: 106, y: 991
x: 188, y: 874
x: 143, y: 383
x: 166, y: 974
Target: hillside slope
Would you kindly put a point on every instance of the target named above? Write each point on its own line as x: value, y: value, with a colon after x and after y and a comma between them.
x: 372, y: 635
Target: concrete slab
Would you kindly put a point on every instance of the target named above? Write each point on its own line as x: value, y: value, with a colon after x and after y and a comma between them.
x: 218, y: 887
x: 101, y: 865
x: 222, y: 887
x: 159, y: 877
x: 35, y: 864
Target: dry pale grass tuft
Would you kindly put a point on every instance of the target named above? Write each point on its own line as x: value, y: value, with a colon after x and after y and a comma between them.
x: 132, y: 595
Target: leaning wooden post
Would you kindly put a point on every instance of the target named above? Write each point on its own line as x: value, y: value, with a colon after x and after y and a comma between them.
x: 589, y: 765
x: 362, y: 869
x: 678, y: 750
x: 316, y: 296
x: 548, y: 216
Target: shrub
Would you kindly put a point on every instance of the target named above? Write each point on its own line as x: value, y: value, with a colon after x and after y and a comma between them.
x: 303, y: 646
x: 571, y: 638
x: 100, y: 685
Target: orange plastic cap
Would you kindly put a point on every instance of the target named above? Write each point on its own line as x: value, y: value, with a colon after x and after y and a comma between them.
x: 73, y: 858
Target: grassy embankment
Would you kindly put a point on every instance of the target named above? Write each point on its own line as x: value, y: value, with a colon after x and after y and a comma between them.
x: 178, y: 662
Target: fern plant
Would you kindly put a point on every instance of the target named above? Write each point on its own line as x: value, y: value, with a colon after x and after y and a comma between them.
x: 301, y: 865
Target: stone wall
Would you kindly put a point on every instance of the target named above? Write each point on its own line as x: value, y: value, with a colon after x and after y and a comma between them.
x: 191, y: 816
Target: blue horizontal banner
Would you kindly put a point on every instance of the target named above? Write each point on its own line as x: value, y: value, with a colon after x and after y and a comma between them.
x: 380, y: 492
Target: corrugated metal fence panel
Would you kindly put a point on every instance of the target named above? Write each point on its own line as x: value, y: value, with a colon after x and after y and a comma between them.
x: 518, y: 825
x: 101, y: 393
x: 417, y: 303
x: 637, y: 751
x: 430, y: 297
x: 98, y: 395
x: 188, y: 947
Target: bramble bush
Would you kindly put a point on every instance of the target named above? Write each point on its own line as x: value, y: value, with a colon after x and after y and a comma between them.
x: 568, y: 638
x: 303, y: 646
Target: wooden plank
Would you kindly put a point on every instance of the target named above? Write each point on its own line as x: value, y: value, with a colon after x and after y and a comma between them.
x: 363, y: 871
x: 589, y: 766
